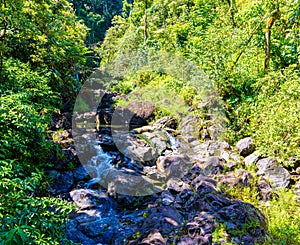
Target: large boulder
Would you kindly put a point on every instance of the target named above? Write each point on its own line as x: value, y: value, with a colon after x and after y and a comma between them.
x: 134, y: 115
x: 278, y: 176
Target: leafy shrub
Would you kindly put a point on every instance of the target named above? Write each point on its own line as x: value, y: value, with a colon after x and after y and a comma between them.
x: 25, y: 218
x: 26, y: 102
x: 274, y: 115
x: 283, y: 216
x: 282, y: 213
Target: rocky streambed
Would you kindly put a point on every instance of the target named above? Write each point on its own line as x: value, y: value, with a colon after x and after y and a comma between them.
x: 159, y: 183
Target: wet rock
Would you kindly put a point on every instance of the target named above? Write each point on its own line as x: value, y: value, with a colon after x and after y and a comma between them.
x: 106, y: 142
x: 278, y: 176
x: 100, y: 230
x: 252, y: 158
x: 90, y: 227
x: 167, y: 198
x: 74, y: 235
x: 80, y: 174
x: 245, y: 146
x: 60, y: 182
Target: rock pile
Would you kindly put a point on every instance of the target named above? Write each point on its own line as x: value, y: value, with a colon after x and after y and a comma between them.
x: 188, y: 167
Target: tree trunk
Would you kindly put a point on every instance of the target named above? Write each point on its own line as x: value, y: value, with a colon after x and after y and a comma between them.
x: 269, y: 25
x: 275, y: 15
x: 145, y: 22
x: 2, y: 38
x: 231, y: 10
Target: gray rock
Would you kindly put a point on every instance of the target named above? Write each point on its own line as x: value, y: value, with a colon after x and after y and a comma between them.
x: 278, y: 176
x: 241, y: 214
x: 245, y: 146
x: 265, y: 190
x: 154, y: 237
x: 202, y: 181
x: 186, y: 240
x: 201, y: 225
x: 157, y: 140
x: 136, y: 114
x: 235, y: 157
x: 134, y: 148
x: 176, y: 186
x: 84, y: 199
x: 231, y: 165
x: 174, y: 166
x: 212, y: 166
x: 241, y: 178
x: 166, y: 121
x: 165, y: 219
x: 167, y: 198
x: 297, y: 189
x: 264, y: 164
x: 252, y: 158
x: 225, y: 155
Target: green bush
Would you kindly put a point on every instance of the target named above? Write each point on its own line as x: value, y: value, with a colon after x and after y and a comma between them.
x: 274, y: 114
x: 26, y: 218
x: 26, y: 102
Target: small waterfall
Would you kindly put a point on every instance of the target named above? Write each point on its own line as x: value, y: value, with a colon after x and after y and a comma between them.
x: 174, y: 143
x: 99, y: 166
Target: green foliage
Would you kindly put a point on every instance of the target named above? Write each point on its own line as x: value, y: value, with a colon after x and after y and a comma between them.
x: 26, y: 101
x: 97, y: 16
x: 46, y: 34
x: 271, y: 117
x: 26, y: 219
x: 282, y: 213
x: 161, y: 89
x: 283, y: 216
x: 41, y: 49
